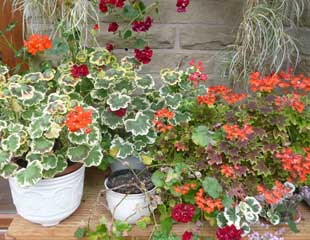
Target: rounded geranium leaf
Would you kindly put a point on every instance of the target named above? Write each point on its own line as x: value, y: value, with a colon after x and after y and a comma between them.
x: 221, y: 220
x: 53, y: 131
x: 121, y: 148
x: 173, y: 101
x: 32, y: 77
x: 11, y: 143
x: 202, y: 136
x: 95, y: 157
x: 100, y: 57
x: 78, y: 137
x: 99, y: 94
x: 140, y: 103
x: 5, y: 157
x: 78, y: 153
x: 232, y: 216
x: 253, y: 204
x: 49, y: 161
x: 30, y: 157
x: 61, y: 166
x: 41, y: 145
x: 8, y: 170
x: 21, y: 91
x: 39, y: 125
x: 3, y: 70
x: 118, y: 100
x: 140, y: 125
x: 111, y: 120
x: 14, y: 78
x: 35, y: 99
x: 245, y: 228
x: 170, y: 77
x: 145, y: 82
x: 3, y: 125
x: 68, y: 80
x: 30, y: 175
x: 49, y: 74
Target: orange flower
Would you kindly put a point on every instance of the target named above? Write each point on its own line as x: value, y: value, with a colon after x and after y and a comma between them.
x: 208, y: 205
x: 183, y: 190
x: 263, y: 83
x: 276, y: 194
x: 208, y: 99
x: 164, y: 113
x: 78, y: 119
x: 296, y: 164
x: 233, y: 98
x: 161, y: 116
x: 37, y: 43
x: 228, y: 171
x: 293, y: 101
x: 235, y: 132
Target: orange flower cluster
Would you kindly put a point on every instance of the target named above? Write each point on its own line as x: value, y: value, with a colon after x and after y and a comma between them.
x: 78, y: 119
x: 283, y: 80
x: 293, y: 101
x: 228, y: 171
x: 297, y: 164
x: 161, y: 116
x: 235, y: 132
x: 226, y: 93
x: 276, y: 194
x: 180, y: 146
x: 184, y: 189
x: 208, y: 205
x: 37, y: 43
x: 260, y: 83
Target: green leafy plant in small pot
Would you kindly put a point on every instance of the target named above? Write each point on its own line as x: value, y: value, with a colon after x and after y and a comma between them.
x: 128, y: 194
x: 125, y: 100
x: 48, y: 136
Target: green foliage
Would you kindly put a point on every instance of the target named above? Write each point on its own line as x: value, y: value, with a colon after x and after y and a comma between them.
x: 212, y: 187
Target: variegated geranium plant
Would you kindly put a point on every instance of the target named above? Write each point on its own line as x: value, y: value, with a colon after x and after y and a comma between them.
x: 125, y: 99
x: 44, y: 127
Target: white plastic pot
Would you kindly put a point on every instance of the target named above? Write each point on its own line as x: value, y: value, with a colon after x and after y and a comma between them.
x: 50, y: 200
x: 128, y: 207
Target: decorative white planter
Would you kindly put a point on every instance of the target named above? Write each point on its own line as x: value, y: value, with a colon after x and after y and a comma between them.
x: 50, y: 200
x: 129, y: 208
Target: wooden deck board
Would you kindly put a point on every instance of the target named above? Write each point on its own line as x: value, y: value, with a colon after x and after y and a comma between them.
x: 21, y: 229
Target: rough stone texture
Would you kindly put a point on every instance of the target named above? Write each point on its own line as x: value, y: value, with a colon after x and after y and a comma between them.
x: 206, y: 37
x: 303, y: 35
x: 305, y: 65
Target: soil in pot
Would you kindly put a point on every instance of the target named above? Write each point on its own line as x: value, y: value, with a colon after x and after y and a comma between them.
x: 127, y: 182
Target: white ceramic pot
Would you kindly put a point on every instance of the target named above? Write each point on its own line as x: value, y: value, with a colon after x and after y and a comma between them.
x: 50, y: 200
x: 130, y: 207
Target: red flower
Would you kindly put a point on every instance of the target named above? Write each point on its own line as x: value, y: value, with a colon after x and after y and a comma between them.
x: 79, y: 71
x: 103, y: 6
x: 164, y: 115
x: 117, y: 3
x: 187, y: 235
x: 113, y: 27
x: 235, y: 132
x: 229, y: 233
x: 37, y: 43
x: 263, y: 83
x: 120, y: 112
x: 142, y: 26
x: 208, y: 99
x: 109, y: 46
x: 181, y: 5
x: 144, y: 56
x: 96, y: 27
x: 183, y: 212
x: 78, y: 119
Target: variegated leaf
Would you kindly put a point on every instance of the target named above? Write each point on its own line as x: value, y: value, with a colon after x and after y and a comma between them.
x: 49, y: 74
x: 118, y: 100
x: 31, y: 175
x: 33, y: 77
x: 120, y: 148
x: 11, y: 143
x: 53, y: 131
x: 95, y: 157
x: 170, y: 77
x: 41, y: 145
x: 100, y: 57
x: 35, y: 99
x: 30, y: 157
x: 49, y: 161
x: 140, y: 125
x: 39, y: 125
x: 61, y: 166
x: 78, y: 137
x: 68, y: 80
x: 3, y: 70
x: 21, y: 91
x: 111, y: 120
x: 78, y: 153
x: 5, y: 157
x: 173, y: 101
x: 145, y: 82
x: 8, y: 170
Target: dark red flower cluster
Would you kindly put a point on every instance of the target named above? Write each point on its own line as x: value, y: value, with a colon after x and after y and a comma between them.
x: 78, y: 119
x: 120, y: 112
x: 79, y: 71
x: 109, y: 46
x: 292, y: 101
x: 182, y: 5
x: 183, y: 212
x: 142, y: 26
x: 187, y: 235
x: 104, y: 4
x: 113, y: 27
x: 296, y: 164
x: 229, y: 233
x: 144, y: 56
x: 235, y: 132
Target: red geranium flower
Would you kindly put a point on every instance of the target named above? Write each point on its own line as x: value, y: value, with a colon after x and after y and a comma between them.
x: 113, y: 27
x: 109, y: 46
x: 79, y: 71
x: 37, y: 43
x: 142, y: 26
x: 103, y: 6
x: 187, y: 235
x: 229, y: 233
x: 78, y: 119
x: 96, y: 27
x: 144, y: 56
x: 183, y: 212
x: 120, y: 112
x: 182, y: 5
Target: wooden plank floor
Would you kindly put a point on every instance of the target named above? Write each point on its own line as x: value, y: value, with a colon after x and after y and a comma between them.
x: 21, y: 229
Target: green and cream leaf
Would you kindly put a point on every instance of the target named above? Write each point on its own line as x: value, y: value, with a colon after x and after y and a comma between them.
x: 118, y: 100
x: 140, y: 125
x: 11, y: 143
x: 41, y: 145
x: 31, y: 175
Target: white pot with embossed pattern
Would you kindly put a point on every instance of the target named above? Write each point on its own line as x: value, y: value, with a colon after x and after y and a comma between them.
x: 50, y: 200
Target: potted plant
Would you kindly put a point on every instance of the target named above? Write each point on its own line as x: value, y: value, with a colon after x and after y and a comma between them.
x: 48, y: 136
x: 128, y: 194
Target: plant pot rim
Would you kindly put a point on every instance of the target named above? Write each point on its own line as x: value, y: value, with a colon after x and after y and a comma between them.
x: 131, y: 195
x: 74, y: 167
